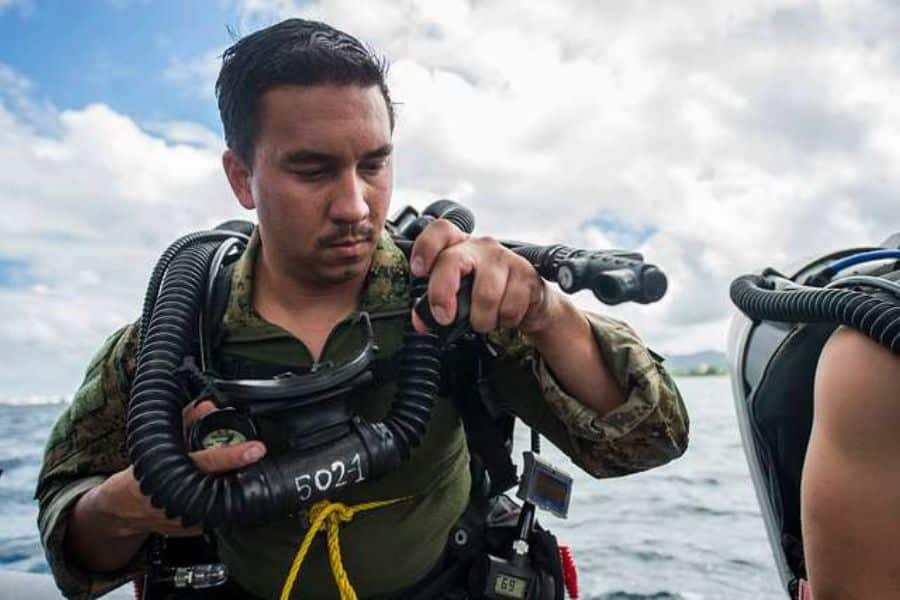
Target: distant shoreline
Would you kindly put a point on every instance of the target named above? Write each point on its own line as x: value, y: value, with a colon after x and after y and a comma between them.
x: 703, y: 371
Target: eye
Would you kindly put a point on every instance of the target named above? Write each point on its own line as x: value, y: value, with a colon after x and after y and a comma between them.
x: 312, y: 173
x: 373, y: 166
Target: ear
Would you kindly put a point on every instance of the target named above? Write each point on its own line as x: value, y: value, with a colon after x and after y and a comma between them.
x: 239, y: 177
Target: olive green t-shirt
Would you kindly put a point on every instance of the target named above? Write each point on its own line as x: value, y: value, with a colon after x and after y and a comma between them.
x: 385, y: 549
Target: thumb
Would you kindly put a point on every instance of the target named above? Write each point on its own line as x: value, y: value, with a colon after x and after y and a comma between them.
x: 228, y: 458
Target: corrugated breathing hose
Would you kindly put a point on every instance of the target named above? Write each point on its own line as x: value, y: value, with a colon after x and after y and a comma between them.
x: 269, y: 488
x: 879, y: 319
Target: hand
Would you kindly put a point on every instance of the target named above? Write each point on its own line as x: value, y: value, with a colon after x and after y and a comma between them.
x: 507, y: 291
x: 121, y: 496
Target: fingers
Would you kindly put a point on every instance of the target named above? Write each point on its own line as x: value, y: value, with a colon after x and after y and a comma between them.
x: 439, y: 235
x: 211, y: 460
x: 505, y: 285
x: 517, y: 299
x: 174, y: 528
x: 138, y: 515
x: 228, y: 458
x: 505, y: 289
x: 133, y: 512
x: 194, y: 411
x: 450, y: 267
x: 487, y: 295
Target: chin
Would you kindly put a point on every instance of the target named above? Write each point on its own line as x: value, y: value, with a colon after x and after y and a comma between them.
x: 341, y: 275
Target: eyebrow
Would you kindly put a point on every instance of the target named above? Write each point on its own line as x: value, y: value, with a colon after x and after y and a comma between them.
x: 382, y: 152
x: 307, y: 156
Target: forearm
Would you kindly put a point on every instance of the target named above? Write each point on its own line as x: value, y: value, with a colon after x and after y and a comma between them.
x: 648, y: 429
x: 97, y: 539
x: 566, y: 342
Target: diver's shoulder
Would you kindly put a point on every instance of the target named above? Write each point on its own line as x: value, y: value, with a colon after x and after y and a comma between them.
x: 857, y: 383
x: 856, y: 354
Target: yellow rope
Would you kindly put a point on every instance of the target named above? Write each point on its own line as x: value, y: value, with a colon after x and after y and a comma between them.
x: 332, y: 514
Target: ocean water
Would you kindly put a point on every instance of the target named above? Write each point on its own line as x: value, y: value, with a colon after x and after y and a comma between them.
x: 690, y: 530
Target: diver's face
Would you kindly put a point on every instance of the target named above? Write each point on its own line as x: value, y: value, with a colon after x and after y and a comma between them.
x: 321, y: 179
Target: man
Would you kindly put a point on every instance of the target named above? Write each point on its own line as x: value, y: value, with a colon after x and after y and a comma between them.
x: 850, y: 493
x: 308, y: 123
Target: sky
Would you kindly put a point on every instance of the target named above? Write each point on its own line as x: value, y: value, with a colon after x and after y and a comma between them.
x: 716, y: 138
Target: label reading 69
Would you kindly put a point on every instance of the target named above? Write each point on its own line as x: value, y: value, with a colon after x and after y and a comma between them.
x: 324, y: 480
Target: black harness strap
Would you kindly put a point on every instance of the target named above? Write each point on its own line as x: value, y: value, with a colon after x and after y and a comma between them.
x: 489, y: 431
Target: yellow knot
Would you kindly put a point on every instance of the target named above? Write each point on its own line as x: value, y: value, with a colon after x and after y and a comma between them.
x: 332, y: 511
x: 330, y: 515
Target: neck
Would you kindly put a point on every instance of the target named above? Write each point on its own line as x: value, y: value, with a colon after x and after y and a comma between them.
x: 284, y: 298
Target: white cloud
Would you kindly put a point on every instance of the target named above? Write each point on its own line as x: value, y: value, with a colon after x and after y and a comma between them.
x: 87, y: 209
x: 737, y: 134
x: 745, y: 134
x: 186, y: 132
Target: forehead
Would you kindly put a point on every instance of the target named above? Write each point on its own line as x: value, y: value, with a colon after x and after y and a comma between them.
x: 325, y: 118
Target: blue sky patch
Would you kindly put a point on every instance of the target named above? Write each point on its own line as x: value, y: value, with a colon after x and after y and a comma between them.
x: 15, y: 273
x: 119, y: 53
x: 624, y: 234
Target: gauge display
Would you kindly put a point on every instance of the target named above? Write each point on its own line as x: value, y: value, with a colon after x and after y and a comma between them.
x: 223, y: 437
x: 509, y: 586
x: 545, y: 486
x: 219, y: 428
x: 550, y: 488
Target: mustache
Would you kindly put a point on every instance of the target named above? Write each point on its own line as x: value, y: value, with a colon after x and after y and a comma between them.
x: 352, y: 232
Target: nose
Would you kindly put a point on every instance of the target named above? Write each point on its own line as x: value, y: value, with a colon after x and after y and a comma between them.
x: 348, y: 204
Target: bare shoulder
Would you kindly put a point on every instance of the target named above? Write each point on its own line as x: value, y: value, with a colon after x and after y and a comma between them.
x: 857, y: 387
x: 849, y: 347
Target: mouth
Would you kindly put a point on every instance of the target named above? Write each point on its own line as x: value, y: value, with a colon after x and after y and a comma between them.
x: 348, y: 249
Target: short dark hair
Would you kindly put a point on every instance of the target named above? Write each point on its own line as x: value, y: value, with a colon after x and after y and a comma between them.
x: 292, y: 52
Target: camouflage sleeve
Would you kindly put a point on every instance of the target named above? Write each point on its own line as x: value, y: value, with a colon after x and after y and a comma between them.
x: 648, y: 430
x: 86, y: 445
